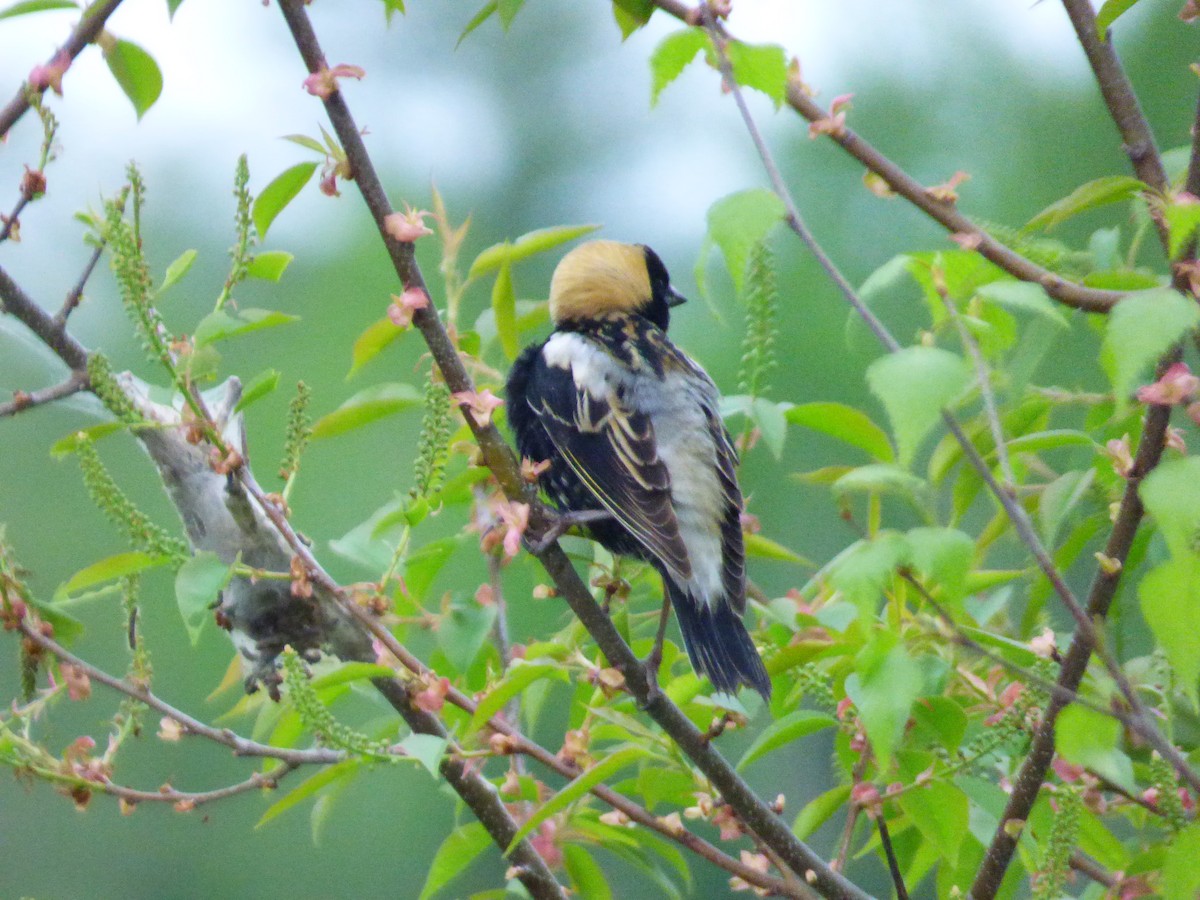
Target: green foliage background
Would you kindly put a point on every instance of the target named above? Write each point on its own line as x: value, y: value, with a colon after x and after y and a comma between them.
x: 572, y: 106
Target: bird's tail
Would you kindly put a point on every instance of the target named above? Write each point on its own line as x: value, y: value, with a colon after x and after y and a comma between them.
x: 718, y: 644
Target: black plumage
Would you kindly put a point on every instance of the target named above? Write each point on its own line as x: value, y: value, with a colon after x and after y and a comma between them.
x: 629, y: 424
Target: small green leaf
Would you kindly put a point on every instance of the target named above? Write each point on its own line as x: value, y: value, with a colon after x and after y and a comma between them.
x: 504, y: 308
x: 378, y: 336
x: 819, y: 810
x: 940, y: 812
x: 306, y: 142
x: 269, y: 265
x: 765, y: 548
x: 1109, y: 13
x: 508, y: 10
x: 630, y: 15
x: 172, y: 8
x: 35, y: 6
x: 349, y: 672
x: 1089, y: 739
x: 601, y: 771
x: 279, y: 193
x: 198, y: 583
x: 1139, y: 330
x: 885, y: 684
x: 519, y: 676
x: 915, y: 385
x: 586, y: 875
x: 367, y: 406
x: 942, y: 556
x: 845, y: 423
x: 458, y: 850
x: 423, y: 566
x: 1102, y: 191
x: 177, y: 269
x: 772, y: 424
x: 70, y: 444
x: 672, y: 55
x: 1059, y: 498
x: 1038, y: 441
x: 784, y: 731
x: 136, y: 72
x: 1023, y: 296
x: 1170, y: 598
x: 427, y: 749
x: 1182, y: 220
x: 485, y: 13
x: 1172, y: 495
x: 109, y: 569
x: 260, y: 385
x: 865, y: 568
x: 308, y: 788
x: 762, y: 67
x: 739, y: 221
x: 527, y: 245
x: 882, y: 478
x: 221, y: 325
x: 1180, y: 874
x: 462, y: 631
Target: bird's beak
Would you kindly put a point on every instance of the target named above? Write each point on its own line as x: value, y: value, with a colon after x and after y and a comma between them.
x: 674, y: 298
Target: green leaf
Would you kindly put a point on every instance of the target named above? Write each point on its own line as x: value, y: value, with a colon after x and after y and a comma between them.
x: 1180, y: 874
x: 462, y: 631
x: 601, y: 771
x: 819, y: 810
x: 458, y: 850
x: 739, y: 221
x: 70, y: 444
x: 220, y: 325
x: 136, y: 72
x: 940, y: 811
x: 519, y: 676
x: 1109, y: 13
x: 847, y: 424
x: 1089, y: 739
x: 427, y: 749
x: 1037, y: 441
x: 306, y: 142
x: 1172, y: 495
x: 308, y: 788
x: 764, y: 548
x: 177, y: 269
x: 914, y: 385
x: 1170, y: 598
x: 423, y: 566
x: 943, y: 558
x: 1023, y: 296
x: 527, y: 245
x: 508, y: 10
x: 109, y: 569
x: 1139, y: 330
x: 504, y: 308
x: 349, y: 672
x: 630, y: 15
x: 1182, y: 220
x: 772, y: 424
x: 269, y: 265
x: 784, y: 731
x: 485, y: 13
x: 1059, y: 499
x: 762, y: 67
x: 672, y: 55
x: 367, y: 406
x: 378, y: 336
x: 35, y: 6
x: 260, y: 385
x: 885, y: 684
x: 172, y: 8
x: 586, y: 875
x: 198, y: 583
x: 1102, y: 191
x: 864, y: 569
x: 882, y: 478
x: 279, y: 193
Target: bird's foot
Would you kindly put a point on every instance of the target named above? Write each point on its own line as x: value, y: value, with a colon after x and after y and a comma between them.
x: 561, y: 523
x: 652, y: 664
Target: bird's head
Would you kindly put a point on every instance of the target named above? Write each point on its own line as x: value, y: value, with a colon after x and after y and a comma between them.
x: 602, y: 278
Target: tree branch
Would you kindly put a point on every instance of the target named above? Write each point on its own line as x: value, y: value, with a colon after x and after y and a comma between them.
x: 21, y: 306
x: 90, y: 25
x: 23, y: 400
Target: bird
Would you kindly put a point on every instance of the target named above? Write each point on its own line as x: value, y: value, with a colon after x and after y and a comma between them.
x: 638, y: 454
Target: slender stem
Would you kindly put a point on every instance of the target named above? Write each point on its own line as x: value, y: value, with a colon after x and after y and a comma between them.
x: 184, y: 800
x: 15, y: 302
x: 90, y: 25
x: 28, y: 400
x: 893, y: 864
x: 10, y: 221
x: 76, y: 293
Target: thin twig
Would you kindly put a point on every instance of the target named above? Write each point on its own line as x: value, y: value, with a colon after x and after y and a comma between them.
x: 9, y: 222
x: 76, y: 293
x: 182, y: 800
x: 15, y: 302
x: 1093, y: 870
x: 23, y: 400
x: 893, y: 864
x: 90, y: 25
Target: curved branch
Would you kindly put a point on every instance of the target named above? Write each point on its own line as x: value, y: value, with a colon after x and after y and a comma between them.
x: 23, y: 400
x: 90, y: 25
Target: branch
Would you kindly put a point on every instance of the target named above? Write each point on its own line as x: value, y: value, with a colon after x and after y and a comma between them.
x: 23, y: 400
x: 1067, y: 292
x: 754, y: 813
x: 184, y: 801
x: 21, y: 306
x: 90, y: 25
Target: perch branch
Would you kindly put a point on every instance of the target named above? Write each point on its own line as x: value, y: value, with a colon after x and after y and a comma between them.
x: 23, y: 400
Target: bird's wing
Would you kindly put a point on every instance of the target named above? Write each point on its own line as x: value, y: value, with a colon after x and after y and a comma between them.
x: 612, y: 449
x: 733, y: 549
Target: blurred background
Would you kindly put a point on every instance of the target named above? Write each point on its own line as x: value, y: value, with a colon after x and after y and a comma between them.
x: 549, y: 124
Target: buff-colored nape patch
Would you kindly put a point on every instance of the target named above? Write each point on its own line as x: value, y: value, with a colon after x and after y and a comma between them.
x: 597, y: 278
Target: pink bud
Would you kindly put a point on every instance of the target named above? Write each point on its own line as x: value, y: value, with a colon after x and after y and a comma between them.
x: 51, y: 74
x: 1177, y: 385
x: 323, y: 82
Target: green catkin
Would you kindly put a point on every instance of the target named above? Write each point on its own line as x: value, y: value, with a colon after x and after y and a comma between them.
x: 814, y: 685
x: 1167, y: 787
x: 1050, y: 881
x: 142, y: 533
x: 299, y: 430
x: 319, y: 720
x: 133, y: 277
x: 240, y: 253
x: 433, y: 446
x: 761, y: 301
x: 104, y: 385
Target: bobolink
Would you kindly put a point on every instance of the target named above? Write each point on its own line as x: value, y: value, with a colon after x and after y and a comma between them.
x: 630, y: 426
